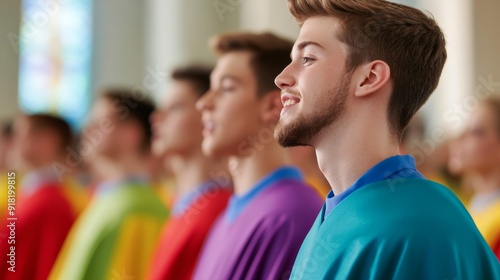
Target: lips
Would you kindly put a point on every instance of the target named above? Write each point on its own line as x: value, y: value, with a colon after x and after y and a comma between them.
x: 208, y: 127
x: 289, y: 100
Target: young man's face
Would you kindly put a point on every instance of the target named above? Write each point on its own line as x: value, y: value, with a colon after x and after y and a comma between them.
x: 481, y: 143
x: 230, y: 109
x: 37, y: 146
x: 113, y: 132
x: 177, y: 124
x: 314, y: 85
x: 110, y: 141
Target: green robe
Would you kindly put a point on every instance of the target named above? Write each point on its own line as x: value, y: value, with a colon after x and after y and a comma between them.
x: 396, y: 229
x: 114, y: 238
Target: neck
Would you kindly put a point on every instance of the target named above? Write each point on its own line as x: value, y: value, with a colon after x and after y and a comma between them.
x: 344, y: 156
x: 247, y: 171
x: 307, y: 162
x: 123, y: 166
x: 190, y: 171
x: 45, y: 164
x: 487, y: 182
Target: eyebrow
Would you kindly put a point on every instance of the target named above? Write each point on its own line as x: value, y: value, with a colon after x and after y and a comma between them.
x: 226, y: 77
x: 303, y: 45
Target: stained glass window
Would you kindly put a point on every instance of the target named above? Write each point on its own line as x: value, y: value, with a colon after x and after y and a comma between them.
x: 55, y: 55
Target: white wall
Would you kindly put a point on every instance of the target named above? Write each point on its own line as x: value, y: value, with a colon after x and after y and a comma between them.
x: 177, y: 33
x: 457, y: 80
x: 118, y: 43
x: 487, y: 40
x: 9, y: 58
x: 265, y: 15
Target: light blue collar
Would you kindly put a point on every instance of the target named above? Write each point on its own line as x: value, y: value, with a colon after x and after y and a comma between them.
x: 238, y: 203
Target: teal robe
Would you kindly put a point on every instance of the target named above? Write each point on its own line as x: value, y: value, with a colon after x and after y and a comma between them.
x: 396, y: 229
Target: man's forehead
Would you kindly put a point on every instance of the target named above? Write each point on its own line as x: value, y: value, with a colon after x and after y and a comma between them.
x: 179, y: 91
x: 231, y: 64
x: 318, y: 29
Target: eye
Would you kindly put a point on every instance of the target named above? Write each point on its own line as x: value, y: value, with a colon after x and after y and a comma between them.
x: 306, y: 60
x: 478, y: 131
x: 175, y: 107
x: 227, y: 89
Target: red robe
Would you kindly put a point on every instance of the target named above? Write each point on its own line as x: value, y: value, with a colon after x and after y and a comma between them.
x: 496, y: 249
x: 183, y: 236
x: 43, y: 221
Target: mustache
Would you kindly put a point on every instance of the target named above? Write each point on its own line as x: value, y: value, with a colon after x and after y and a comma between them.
x: 291, y: 92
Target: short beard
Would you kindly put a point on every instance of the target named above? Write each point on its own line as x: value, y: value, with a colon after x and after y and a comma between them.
x: 301, y: 131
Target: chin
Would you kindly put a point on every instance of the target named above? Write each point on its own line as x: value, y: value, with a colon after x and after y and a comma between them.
x: 208, y: 149
x: 290, y: 135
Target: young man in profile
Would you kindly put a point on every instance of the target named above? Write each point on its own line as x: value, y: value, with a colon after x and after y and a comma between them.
x: 359, y: 72
x: 116, y: 234
x: 45, y: 206
x: 259, y: 234
x: 202, y: 195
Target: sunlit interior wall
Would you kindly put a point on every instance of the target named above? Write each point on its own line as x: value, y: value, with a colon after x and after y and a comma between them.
x: 265, y: 15
x: 177, y: 34
x: 9, y: 58
x: 119, y: 34
x: 486, y: 37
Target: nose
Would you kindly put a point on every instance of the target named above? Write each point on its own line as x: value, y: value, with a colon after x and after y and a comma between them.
x: 285, y: 79
x: 206, y: 101
x: 155, y: 116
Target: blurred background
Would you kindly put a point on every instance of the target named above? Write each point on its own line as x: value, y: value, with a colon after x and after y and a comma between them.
x: 56, y: 54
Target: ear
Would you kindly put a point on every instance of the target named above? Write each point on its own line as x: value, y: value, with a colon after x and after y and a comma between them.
x: 133, y: 133
x: 271, y: 107
x: 371, y: 77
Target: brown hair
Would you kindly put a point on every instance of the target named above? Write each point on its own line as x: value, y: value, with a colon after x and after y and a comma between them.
x: 410, y: 42
x: 271, y: 54
x: 197, y: 76
x: 139, y: 110
x: 54, y: 124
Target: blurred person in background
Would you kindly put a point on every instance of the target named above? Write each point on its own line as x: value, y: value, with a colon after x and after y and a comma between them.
x: 201, y: 195
x: 481, y: 162
x: 463, y: 180
x: 6, y: 153
x: 46, y: 204
x: 117, y: 233
x: 267, y: 218
x: 6, y: 145
x: 432, y: 156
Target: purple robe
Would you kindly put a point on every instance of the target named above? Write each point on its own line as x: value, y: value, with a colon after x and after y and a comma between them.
x: 260, y: 233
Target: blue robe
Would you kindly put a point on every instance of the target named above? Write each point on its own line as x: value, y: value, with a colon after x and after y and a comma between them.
x: 396, y: 229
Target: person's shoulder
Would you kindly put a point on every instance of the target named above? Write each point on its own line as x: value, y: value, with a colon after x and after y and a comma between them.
x: 291, y: 195
x: 417, y: 208
x: 131, y: 199
x: 46, y: 196
x: 289, y: 202
x: 408, y: 196
x: 404, y: 202
x: 46, y: 203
